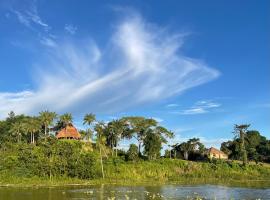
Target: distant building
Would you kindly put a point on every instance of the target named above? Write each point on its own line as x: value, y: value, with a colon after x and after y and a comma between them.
x: 217, y: 154
x: 69, y: 132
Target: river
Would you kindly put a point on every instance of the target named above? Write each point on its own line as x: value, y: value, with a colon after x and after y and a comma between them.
x: 134, y: 192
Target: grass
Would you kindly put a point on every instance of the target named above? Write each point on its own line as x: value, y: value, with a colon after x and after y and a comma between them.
x: 163, y: 171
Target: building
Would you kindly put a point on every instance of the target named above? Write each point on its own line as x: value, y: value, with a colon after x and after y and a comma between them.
x: 69, y: 132
x: 217, y: 154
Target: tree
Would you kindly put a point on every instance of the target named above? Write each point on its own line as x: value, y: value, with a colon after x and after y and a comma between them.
x: 116, y: 130
x: 186, y: 148
x: 240, y: 132
x: 47, y: 119
x: 167, y: 153
x: 152, y: 145
x: 33, y: 126
x: 132, y: 153
x: 66, y: 119
x: 139, y: 127
x: 17, y: 130
x: 191, y: 146
x: 100, y: 141
x: 89, y: 119
x: 226, y: 147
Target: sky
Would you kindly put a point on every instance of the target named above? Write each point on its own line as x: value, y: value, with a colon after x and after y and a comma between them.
x: 197, y: 67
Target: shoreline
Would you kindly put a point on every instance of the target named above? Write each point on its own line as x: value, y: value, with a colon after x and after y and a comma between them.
x: 248, y: 183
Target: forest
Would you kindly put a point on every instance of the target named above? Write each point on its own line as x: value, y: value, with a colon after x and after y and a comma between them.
x: 30, y: 149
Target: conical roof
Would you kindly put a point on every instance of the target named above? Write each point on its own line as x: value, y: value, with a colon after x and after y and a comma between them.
x: 69, y: 132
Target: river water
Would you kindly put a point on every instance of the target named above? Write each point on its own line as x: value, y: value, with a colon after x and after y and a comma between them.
x: 134, y: 192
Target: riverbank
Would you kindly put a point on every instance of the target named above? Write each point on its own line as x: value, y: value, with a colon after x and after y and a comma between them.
x: 163, y: 171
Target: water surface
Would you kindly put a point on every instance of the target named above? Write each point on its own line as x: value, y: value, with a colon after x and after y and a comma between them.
x: 133, y: 192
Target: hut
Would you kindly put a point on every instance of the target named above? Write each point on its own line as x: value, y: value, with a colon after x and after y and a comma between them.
x: 69, y: 132
x: 217, y: 154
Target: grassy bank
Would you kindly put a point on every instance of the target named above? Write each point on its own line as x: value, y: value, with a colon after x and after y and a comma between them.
x: 157, y: 172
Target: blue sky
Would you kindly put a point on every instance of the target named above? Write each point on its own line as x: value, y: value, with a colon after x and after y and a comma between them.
x: 198, y: 67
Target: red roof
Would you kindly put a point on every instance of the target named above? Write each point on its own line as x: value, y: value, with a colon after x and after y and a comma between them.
x: 68, y: 132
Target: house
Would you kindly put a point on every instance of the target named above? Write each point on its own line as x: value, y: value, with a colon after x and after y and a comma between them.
x: 217, y: 154
x: 69, y: 132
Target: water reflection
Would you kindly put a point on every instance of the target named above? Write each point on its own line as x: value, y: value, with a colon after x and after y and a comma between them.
x: 133, y: 192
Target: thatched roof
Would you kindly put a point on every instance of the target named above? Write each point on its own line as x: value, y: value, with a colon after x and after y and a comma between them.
x: 69, y: 132
x: 213, y: 150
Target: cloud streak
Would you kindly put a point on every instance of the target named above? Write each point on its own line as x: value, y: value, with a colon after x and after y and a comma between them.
x: 30, y: 17
x: 140, y: 64
x: 199, y: 107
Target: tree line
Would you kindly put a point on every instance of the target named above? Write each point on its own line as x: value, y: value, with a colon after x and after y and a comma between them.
x: 149, y: 134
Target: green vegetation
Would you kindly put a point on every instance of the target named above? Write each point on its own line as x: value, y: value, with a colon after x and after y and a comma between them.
x: 249, y: 146
x: 30, y: 153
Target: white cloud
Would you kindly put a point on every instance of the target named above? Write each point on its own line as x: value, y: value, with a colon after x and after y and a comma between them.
x: 199, y: 107
x: 30, y: 17
x: 172, y: 105
x: 47, y: 41
x: 71, y: 29
x: 141, y: 64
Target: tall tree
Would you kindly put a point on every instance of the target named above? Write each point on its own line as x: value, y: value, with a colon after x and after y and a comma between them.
x: 139, y: 127
x: 89, y: 119
x: 190, y: 146
x: 66, y: 119
x: 152, y: 145
x: 17, y: 130
x: 33, y: 126
x: 100, y: 141
x: 116, y: 130
x: 240, y: 132
x: 47, y: 119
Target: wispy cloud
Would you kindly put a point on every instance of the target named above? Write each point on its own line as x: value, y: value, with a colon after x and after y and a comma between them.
x: 172, y: 105
x: 47, y: 41
x: 71, y: 29
x: 199, y: 107
x: 30, y: 17
x: 141, y: 64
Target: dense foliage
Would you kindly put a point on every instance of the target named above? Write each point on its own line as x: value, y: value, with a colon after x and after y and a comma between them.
x: 256, y: 146
x: 29, y: 148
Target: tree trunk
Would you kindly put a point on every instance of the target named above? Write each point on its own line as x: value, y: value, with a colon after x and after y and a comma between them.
x: 33, y: 138
x: 101, y: 162
x: 243, y: 149
x: 186, y: 155
x: 139, y: 148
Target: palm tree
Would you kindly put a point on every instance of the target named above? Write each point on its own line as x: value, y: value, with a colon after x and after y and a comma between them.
x: 33, y: 126
x: 189, y: 146
x: 47, y: 119
x: 117, y: 129
x: 100, y: 140
x: 240, y: 131
x: 186, y: 148
x: 89, y: 119
x: 66, y: 119
x: 17, y: 130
